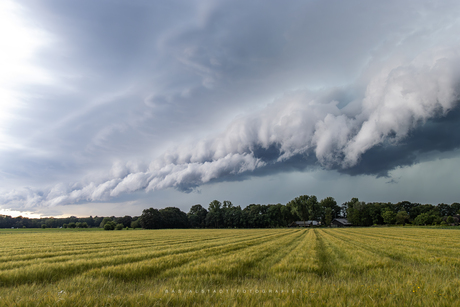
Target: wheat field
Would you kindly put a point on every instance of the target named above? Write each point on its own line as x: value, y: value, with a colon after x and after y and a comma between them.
x: 396, y: 266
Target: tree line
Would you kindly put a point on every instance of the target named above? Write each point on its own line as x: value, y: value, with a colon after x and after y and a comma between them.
x: 226, y: 215
x: 302, y: 208
x: 367, y: 214
x: 7, y: 221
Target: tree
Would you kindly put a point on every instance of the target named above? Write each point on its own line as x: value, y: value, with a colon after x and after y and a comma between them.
x: 88, y: 220
x: 51, y: 223
x: 197, y: 216
x: 275, y: 216
x: 97, y: 220
x: 375, y: 212
x: 299, y: 207
x: 328, y: 206
x: 428, y: 218
x: 173, y: 217
x: 418, y: 209
x: 445, y: 210
x: 353, y: 210
x: 402, y: 217
x: 214, y: 217
x: 135, y: 224
x: 227, y: 214
x: 110, y: 225
x: 104, y: 221
x: 234, y: 217
x: 126, y: 221
x: 151, y: 219
x: 256, y: 216
x: 328, y: 216
x: 406, y: 206
x: 455, y: 208
x: 389, y: 217
x: 422, y: 219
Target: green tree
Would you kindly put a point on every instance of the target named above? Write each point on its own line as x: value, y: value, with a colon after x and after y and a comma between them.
x: 173, y: 217
x: 135, y: 224
x: 328, y: 206
x: 256, y: 216
x: 104, y: 221
x: 455, y: 208
x: 353, y: 210
x: 233, y: 217
x: 110, y: 225
x: 418, y: 209
x: 97, y: 220
x: 227, y: 214
x: 197, y: 216
x: 422, y: 219
x: 328, y: 216
x: 375, y: 212
x: 126, y: 221
x: 299, y: 207
x: 151, y: 219
x: 445, y: 210
x: 402, y: 217
x: 406, y: 206
x: 214, y: 217
x: 276, y: 215
x: 389, y: 217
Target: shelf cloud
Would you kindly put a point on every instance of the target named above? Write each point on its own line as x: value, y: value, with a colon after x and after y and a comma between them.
x: 146, y: 97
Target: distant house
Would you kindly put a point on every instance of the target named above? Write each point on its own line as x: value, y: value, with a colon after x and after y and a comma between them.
x: 305, y: 223
x: 340, y: 222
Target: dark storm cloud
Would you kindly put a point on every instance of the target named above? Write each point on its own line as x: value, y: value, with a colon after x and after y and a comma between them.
x: 177, y: 94
x: 439, y: 134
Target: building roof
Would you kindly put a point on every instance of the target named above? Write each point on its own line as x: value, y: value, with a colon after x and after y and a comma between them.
x: 301, y: 223
x: 342, y: 221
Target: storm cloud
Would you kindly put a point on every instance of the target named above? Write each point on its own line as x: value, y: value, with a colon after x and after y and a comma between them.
x: 150, y: 96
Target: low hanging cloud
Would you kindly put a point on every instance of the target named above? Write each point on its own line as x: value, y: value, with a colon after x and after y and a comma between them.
x: 310, y: 128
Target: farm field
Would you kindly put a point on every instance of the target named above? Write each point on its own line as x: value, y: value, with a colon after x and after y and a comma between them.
x: 400, y: 266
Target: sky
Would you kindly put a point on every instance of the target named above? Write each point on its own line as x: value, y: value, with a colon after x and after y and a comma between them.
x: 111, y: 107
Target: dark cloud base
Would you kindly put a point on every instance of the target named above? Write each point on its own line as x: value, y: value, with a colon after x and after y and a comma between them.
x: 439, y: 134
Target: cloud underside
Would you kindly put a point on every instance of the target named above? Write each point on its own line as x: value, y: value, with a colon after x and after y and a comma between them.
x: 406, y: 110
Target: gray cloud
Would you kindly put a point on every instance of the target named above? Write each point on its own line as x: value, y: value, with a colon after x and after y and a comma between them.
x: 398, y: 100
x: 181, y: 94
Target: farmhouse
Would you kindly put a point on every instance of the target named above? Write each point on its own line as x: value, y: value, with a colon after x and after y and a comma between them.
x: 305, y: 223
x: 340, y: 222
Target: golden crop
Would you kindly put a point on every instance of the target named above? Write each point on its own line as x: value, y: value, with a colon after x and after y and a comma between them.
x: 396, y: 266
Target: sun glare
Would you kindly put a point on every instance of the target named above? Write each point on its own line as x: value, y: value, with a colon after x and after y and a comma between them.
x: 19, y: 42
x: 14, y: 213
